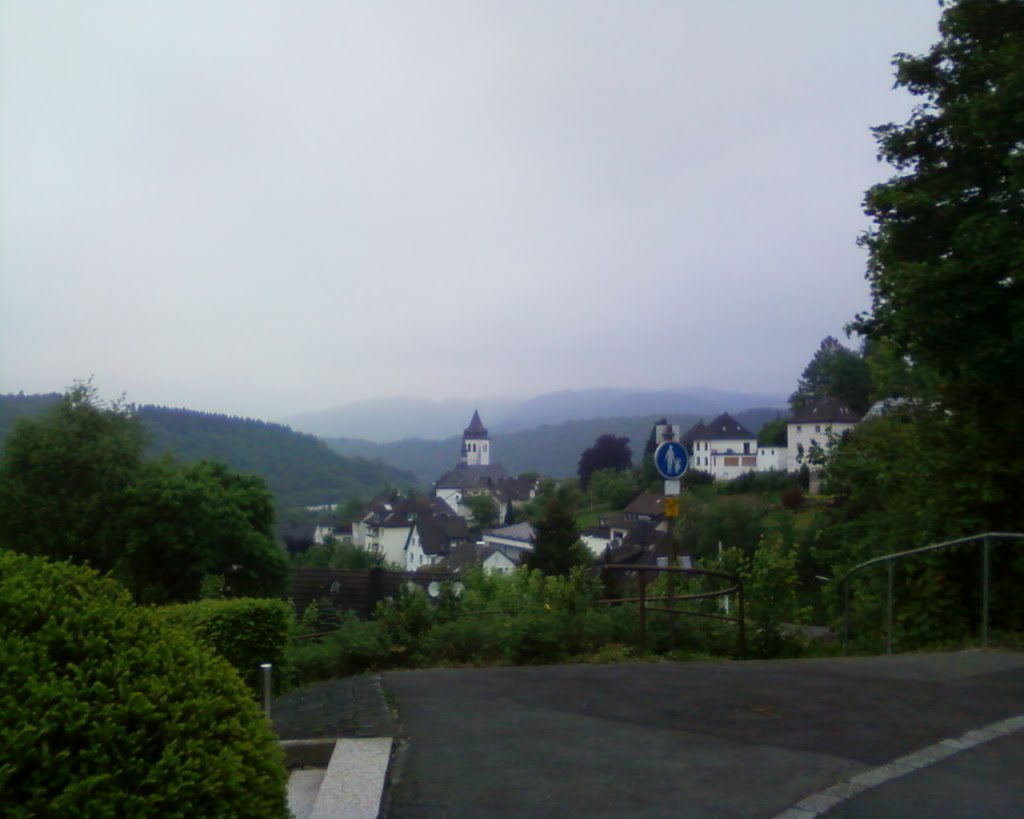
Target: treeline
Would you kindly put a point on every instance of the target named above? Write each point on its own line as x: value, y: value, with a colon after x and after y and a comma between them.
x: 299, y: 468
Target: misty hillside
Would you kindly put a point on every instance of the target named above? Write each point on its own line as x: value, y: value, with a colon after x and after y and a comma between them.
x: 552, y: 449
x: 397, y: 419
x: 299, y: 469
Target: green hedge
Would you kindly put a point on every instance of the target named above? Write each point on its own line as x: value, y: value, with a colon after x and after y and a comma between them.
x: 105, y: 711
x: 244, y: 631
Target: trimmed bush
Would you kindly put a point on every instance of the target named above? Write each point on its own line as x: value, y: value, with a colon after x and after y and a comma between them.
x: 105, y: 711
x: 355, y: 647
x: 244, y: 631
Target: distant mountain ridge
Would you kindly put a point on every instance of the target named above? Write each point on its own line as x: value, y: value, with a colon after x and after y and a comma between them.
x: 299, y: 468
x: 398, y: 419
x: 552, y: 449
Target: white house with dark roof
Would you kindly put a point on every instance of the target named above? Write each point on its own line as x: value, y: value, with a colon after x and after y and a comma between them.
x: 817, y: 426
x: 723, y: 447
x: 513, y: 540
x: 432, y: 538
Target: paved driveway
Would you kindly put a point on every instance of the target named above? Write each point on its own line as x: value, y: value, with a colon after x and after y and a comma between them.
x: 711, y: 739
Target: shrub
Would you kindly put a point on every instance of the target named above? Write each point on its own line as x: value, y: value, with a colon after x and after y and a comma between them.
x: 355, y: 647
x: 106, y: 711
x: 793, y: 499
x: 244, y: 631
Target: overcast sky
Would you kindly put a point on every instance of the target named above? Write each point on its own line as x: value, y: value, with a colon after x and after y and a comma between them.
x: 261, y: 208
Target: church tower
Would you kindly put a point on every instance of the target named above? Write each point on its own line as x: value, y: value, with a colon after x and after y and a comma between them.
x: 475, y: 444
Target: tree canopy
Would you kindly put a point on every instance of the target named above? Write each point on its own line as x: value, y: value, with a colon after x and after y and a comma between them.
x: 557, y: 547
x: 946, y: 265
x: 608, y: 452
x: 945, y: 261
x: 74, y: 486
x: 484, y: 509
x: 837, y: 372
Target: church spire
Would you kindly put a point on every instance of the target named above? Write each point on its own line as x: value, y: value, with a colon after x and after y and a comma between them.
x: 475, y: 443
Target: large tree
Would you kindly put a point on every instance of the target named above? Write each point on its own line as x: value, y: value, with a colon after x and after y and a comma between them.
x: 557, y: 547
x: 608, y: 452
x: 835, y: 371
x: 74, y: 486
x: 65, y: 476
x: 946, y: 253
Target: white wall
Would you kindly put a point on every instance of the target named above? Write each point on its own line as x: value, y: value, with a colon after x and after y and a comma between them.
x: 711, y: 457
x: 771, y: 458
x: 392, y: 543
x: 807, y: 435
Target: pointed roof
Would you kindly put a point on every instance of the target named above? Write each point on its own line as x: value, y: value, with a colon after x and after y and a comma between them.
x: 725, y: 428
x: 828, y: 410
x: 476, y: 429
x: 692, y: 434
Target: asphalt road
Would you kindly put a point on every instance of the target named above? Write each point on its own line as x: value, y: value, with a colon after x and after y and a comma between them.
x: 710, y: 739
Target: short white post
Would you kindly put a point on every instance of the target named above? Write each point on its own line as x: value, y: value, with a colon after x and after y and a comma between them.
x: 266, y: 687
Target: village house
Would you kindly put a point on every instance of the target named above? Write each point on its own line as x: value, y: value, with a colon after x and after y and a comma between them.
x: 726, y: 449
x: 816, y: 427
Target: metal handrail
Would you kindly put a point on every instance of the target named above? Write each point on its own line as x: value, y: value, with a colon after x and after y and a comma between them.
x: 890, y: 561
x: 736, y: 588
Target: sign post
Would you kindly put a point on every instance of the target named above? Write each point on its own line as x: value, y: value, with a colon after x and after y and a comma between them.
x: 671, y: 461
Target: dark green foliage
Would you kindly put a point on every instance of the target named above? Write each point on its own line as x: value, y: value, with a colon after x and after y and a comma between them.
x: 946, y: 269
x: 773, y: 433
x: 13, y: 407
x: 613, y: 488
x: 758, y: 483
x: 607, y: 452
x: 104, y: 711
x: 557, y: 548
x: 835, y: 371
x: 355, y: 646
x: 74, y: 486
x: 336, y: 554
x: 246, y: 632
x: 697, y: 477
x: 484, y: 509
x: 300, y: 470
x: 65, y: 476
x: 730, y: 522
x: 182, y: 522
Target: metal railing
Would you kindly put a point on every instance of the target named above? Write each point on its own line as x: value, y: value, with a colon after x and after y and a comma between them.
x: 643, y: 599
x: 984, y: 540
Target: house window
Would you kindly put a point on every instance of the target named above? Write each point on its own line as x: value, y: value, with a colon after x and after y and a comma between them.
x: 798, y: 428
x: 817, y: 427
x: 750, y: 460
x: 746, y: 448
x: 731, y: 460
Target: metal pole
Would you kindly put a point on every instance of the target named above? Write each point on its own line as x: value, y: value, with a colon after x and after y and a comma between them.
x: 266, y: 687
x: 739, y: 611
x: 643, y: 612
x: 888, y: 612
x: 985, y: 591
x: 846, y: 614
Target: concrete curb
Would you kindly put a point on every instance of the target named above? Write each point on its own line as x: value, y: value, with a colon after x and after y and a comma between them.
x: 342, y: 779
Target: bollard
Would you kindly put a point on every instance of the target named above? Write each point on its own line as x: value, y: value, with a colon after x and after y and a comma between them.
x: 266, y: 687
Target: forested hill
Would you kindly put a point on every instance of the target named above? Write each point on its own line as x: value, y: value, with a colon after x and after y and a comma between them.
x: 552, y: 449
x: 300, y: 469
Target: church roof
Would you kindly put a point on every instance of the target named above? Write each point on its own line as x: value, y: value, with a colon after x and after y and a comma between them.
x: 472, y: 476
x: 476, y: 428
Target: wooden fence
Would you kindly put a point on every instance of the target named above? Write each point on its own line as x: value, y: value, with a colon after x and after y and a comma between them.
x: 355, y: 590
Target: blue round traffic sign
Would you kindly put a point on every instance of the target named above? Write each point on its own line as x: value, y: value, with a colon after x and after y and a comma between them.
x: 670, y: 459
